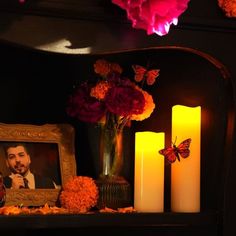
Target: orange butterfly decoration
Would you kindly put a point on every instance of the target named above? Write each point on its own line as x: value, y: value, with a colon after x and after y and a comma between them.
x: 148, y: 75
x: 173, y: 153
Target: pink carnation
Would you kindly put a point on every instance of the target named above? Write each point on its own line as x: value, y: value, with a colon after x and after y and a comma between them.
x: 154, y: 16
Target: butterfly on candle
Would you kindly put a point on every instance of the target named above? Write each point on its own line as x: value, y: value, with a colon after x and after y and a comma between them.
x: 171, y: 153
x: 143, y: 73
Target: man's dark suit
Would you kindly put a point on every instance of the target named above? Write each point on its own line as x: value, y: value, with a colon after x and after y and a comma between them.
x: 40, y: 182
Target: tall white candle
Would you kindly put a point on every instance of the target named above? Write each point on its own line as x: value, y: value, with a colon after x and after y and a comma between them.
x: 185, y: 175
x: 149, y: 172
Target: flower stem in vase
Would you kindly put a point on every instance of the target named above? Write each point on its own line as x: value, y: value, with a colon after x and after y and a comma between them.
x: 114, y: 190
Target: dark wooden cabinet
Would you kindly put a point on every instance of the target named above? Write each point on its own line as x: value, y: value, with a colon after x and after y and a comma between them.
x: 197, y: 68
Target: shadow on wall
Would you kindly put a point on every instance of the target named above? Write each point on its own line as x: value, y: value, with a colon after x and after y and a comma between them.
x: 67, y: 30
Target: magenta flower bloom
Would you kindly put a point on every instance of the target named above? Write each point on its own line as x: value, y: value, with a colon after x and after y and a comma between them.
x: 154, y: 16
x: 125, y: 101
x: 84, y: 107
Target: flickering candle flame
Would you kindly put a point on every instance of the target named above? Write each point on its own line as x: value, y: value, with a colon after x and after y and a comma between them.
x: 185, y: 174
x: 149, y: 172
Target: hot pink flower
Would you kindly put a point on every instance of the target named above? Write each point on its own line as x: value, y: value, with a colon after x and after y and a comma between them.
x: 154, y: 16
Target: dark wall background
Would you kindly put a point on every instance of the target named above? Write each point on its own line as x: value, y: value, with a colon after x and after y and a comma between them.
x: 35, y: 76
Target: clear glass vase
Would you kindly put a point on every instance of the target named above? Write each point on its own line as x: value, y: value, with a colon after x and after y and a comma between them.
x: 114, y: 190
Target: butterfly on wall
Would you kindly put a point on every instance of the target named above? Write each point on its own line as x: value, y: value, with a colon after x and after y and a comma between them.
x: 141, y: 73
x: 173, y: 153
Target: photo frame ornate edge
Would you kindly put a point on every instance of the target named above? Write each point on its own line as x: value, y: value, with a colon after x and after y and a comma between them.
x: 63, y: 135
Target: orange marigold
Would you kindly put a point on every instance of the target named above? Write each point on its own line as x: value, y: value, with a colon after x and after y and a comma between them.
x: 102, y: 67
x: 100, y: 90
x: 228, y: 6
x: 148, y: 107
x: 116, y: 68
x: 79, y: 194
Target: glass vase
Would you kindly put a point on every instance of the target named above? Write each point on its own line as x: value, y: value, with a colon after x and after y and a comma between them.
x: 114, y: 189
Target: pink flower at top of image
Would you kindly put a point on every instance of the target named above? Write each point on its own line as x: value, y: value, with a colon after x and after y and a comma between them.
x: 113, y: 97
x: 154, y: 16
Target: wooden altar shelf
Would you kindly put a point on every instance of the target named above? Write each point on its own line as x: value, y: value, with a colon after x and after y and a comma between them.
x: 138, y: 220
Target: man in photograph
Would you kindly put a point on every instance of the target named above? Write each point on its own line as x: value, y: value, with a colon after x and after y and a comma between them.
x: 18, y: 161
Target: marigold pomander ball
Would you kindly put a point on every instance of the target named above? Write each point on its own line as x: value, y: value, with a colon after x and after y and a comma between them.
x: 79, y: 194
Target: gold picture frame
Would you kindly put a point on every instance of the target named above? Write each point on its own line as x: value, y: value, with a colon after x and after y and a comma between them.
x: 60, y: 134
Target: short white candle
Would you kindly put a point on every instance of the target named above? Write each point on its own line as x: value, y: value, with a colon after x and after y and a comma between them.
x: 149, y: 172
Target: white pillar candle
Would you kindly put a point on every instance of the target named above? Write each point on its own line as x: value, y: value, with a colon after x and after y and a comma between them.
x: 185, y: 175
x: 149, y: 172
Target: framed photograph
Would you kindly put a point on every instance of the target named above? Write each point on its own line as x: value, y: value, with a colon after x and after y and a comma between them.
x: 36, y: 160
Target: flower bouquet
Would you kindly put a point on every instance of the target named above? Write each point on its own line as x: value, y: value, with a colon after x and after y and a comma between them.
x: 112, y: 101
